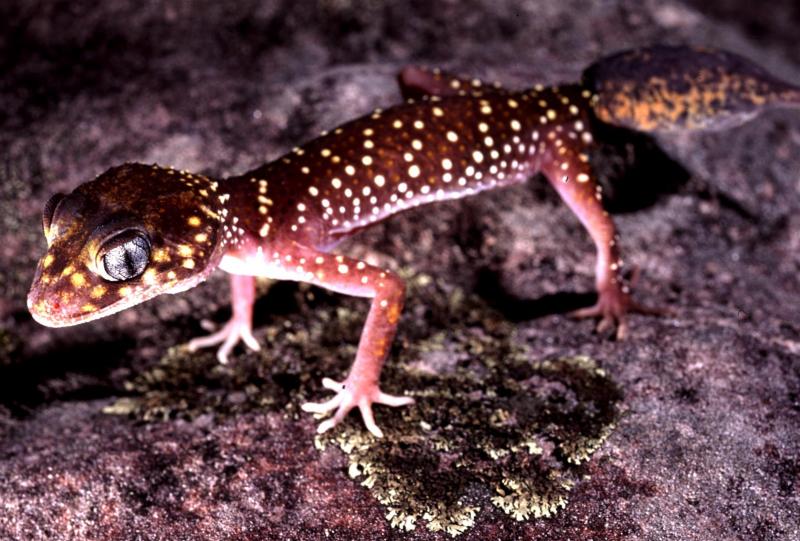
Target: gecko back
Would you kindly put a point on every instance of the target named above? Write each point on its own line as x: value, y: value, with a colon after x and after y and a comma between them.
x: 665, y: 88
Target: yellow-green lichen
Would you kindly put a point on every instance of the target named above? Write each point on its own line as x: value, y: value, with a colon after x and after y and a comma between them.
x: 492, y: 428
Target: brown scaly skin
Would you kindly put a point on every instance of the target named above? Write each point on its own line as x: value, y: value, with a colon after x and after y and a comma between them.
x: 138, y: 231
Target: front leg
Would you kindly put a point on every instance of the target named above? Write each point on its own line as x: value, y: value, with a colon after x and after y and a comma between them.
x: 387, y: 291
x: 239, y: 327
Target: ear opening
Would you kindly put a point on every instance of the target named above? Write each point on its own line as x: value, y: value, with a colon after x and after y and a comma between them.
x: 50, y: 210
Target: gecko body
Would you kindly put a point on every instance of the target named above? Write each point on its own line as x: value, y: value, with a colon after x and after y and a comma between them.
x: 138, y: 231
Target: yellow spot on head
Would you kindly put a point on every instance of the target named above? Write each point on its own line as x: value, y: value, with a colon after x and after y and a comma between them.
x: 161, y: 255
x: 437, y: 111
x: 188, y: 263
x: 78, y: 279
x: 171, y: 275
x: 185, y: 250
x: 194, y: 221
x: 88, y: 307
x: 98, y: 291
x: 48, y: 260
x: 124, y: 291
x: 201, y: 237
x: 149, y: 277
x: 69, y: 269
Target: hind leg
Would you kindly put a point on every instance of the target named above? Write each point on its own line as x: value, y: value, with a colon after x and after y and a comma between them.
x: 567, y: 168
x: 418, y: 83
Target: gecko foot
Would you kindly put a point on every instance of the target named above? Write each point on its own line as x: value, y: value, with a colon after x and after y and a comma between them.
x: 229, y: 335
x: 350, y: 395
x: 613, y: 305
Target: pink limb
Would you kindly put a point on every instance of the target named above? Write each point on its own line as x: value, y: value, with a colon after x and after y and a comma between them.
x: 571, y: 175
x: 239, y: 327
x: 360, y: 388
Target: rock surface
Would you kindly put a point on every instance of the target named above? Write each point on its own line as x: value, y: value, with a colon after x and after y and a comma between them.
x: 107, y: 433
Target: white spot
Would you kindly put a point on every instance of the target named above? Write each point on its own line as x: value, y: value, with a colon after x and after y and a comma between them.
x: 402, y: 187
x: 419, y: 124
x: 350, y: 170
x: 515, y: 125
x: 313, y: 191
x: 452, y: 137
x: 366, y: 160
x: 413, y: 171
x: 336, y: 183
x: 447, y: 164
x: 416, y: 144
x: 477, y: 156
x: 379, y: 180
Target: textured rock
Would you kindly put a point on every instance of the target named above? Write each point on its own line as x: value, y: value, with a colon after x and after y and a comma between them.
x: 106, y: 432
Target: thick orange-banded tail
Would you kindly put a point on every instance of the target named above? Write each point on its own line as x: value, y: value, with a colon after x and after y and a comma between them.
x: 664, y: 88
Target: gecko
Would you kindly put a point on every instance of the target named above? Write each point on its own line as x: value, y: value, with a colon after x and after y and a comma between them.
x: 138, y: 231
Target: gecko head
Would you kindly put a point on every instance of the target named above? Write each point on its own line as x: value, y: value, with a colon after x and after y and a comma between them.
x: 134, y: 232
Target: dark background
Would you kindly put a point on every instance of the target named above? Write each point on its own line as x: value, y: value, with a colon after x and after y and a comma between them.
x: 708, y: 447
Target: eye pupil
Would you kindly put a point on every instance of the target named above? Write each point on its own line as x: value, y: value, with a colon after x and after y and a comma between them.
x: 127, y: 258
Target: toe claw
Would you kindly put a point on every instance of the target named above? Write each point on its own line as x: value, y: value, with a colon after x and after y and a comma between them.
x: 332, y: 384
x: 394, y: 401
x: 369, y: 419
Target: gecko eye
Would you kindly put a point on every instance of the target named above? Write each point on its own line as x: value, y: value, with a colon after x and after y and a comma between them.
x: 124, y: 256
x: 50, y: 210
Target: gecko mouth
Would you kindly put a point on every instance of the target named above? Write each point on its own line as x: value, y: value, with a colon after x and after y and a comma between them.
x: 54, y: 314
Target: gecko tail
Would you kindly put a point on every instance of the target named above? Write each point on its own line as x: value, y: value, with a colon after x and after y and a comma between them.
x: 669, y: 88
